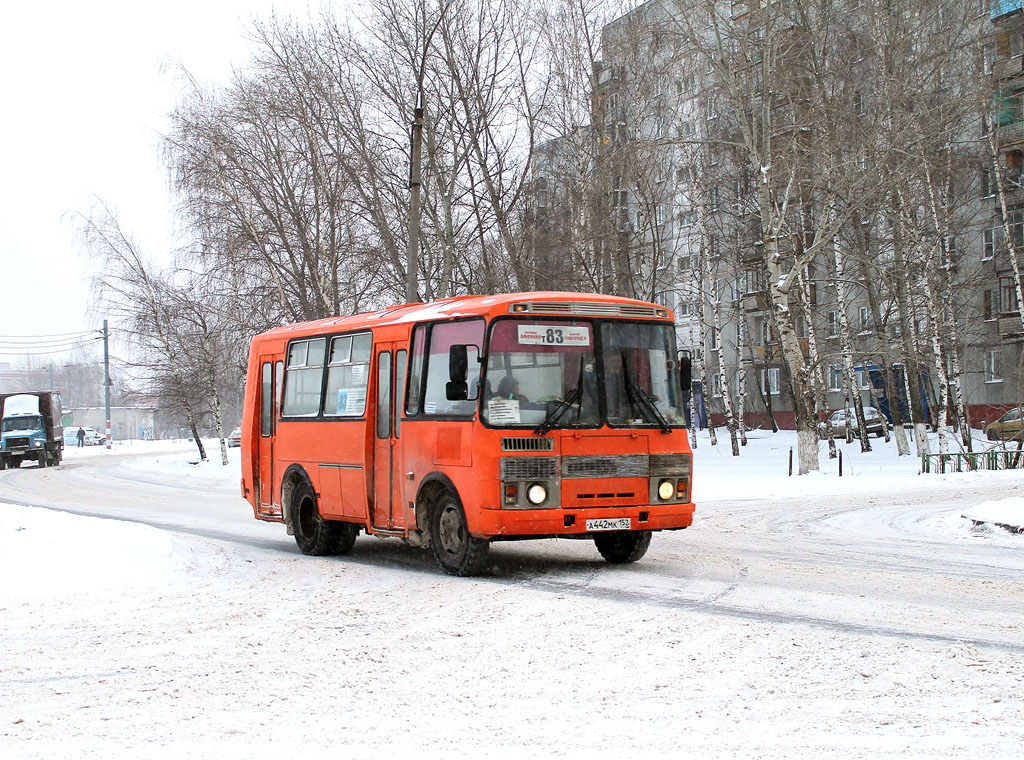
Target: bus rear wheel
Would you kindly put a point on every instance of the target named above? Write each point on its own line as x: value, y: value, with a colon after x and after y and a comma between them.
x: 622, y: 546
x: 313, y: 534
x: 456, y: 551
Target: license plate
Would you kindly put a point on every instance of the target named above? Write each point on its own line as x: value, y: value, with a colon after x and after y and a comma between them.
x: 609, y: 523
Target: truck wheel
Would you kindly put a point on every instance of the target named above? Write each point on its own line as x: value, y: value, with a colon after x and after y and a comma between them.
x: 314, y: 535
x: 622, y: 546
x: 456, y: 551
x: 43, y: 457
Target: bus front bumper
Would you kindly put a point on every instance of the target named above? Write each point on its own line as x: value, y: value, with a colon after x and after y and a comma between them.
x: 498, y: 523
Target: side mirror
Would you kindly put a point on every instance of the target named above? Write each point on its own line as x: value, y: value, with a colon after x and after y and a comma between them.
x: 458, y: 370
x: 685, y: 372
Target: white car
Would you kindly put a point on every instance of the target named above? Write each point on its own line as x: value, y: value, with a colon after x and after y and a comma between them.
x: 92, y: 438
x: 235, y: 439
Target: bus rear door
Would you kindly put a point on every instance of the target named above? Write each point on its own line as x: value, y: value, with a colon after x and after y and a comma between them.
x: 270, y: 394
x: 387, y: 453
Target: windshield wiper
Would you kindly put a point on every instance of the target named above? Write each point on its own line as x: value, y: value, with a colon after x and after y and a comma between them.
x: 638, y: 394
x: 558, y: 410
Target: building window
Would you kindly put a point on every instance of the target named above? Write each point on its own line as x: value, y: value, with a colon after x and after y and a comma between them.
x: 1016, y: 225
x: 755, y: 281
x: 863, y: 381
x: 865, y: 318
x: 1007, y: 295
x: 716, y: 385
x: 989, y: 303
x: 835, y: 377
x: 833, y: 324
x: 988, y: 187
x: 770, y: 380
x: 660, y: 214
x: 683, y: 263
x: 988, y: 244
x: 992, y: 370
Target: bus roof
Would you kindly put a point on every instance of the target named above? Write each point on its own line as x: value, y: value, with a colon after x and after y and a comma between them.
x: 538, y: 303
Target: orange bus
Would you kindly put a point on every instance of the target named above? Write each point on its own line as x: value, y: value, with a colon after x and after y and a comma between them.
x: 469, y: 420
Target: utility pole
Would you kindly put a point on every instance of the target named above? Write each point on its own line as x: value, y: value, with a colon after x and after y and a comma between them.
x: 416, y: 166
x: 415, y: 169
x: 106, y: 376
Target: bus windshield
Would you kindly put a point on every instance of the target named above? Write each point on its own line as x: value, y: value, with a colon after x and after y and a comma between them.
x: 536, y: 367
x: 556, y: 374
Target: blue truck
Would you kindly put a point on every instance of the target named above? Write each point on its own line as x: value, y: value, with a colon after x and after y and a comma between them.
x: 31, y: 429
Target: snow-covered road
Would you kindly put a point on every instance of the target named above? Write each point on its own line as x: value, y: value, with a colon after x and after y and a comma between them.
x: 858, y: 621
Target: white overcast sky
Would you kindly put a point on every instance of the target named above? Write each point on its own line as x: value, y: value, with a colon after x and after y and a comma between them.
x: 85, y: 87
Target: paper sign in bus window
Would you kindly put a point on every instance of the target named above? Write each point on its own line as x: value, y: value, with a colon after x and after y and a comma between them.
x: 503, y: 411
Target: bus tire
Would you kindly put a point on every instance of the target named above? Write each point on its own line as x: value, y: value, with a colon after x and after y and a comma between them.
x: 346, y: 538
x: 456, y: 551
x: 313, y: 534
x: 622, y: 546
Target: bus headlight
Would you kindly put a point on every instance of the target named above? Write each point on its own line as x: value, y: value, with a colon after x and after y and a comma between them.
x: 666, y: 490
x: 536, y: 494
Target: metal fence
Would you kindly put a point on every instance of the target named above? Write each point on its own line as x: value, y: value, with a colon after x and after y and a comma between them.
x: 970, y: 461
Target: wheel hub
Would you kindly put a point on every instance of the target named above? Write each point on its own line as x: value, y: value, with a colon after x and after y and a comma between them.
x: 452, y: 531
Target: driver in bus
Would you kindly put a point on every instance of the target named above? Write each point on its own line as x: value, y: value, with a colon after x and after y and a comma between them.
x: 509, y: 388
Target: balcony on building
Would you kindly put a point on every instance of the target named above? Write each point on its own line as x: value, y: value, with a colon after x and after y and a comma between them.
x: 1010, y: 68
x: 1000, y: 8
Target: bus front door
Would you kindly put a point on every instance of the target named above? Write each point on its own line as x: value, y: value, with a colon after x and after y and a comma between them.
x: 270, y: 390
x: 387, y: 452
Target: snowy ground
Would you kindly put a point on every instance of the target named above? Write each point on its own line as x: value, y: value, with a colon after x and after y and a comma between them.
x: 860, y: 616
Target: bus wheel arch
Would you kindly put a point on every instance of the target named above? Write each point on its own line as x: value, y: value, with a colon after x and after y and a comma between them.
x: 456, y: 550
x: 293, y: 477
x: 431, y: 488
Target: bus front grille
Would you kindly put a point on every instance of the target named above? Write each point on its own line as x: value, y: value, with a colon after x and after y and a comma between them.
x: 622, y: 466
x: 529, y: 468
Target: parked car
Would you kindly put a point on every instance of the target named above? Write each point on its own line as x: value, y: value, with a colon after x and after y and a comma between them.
x: 1006, y: 428
x: 873, y: 421
x: 235, y: 439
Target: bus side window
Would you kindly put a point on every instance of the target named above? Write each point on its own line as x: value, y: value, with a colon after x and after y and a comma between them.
x: 442, y: 337
x: 419, y: 343
x: 348, y: 373
x: 304, y: 377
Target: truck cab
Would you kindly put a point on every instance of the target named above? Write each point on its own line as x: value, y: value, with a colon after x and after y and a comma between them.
x: 30, y: 429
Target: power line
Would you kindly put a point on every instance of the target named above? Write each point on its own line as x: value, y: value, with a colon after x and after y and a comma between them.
x: 44, y: 350
x: 49, y: 335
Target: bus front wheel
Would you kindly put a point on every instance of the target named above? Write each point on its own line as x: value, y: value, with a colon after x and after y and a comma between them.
x: 622, y: 546
x: 314, y: 535
x: 456, y: 551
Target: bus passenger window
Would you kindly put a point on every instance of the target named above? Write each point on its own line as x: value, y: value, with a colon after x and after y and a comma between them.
x: 347, y: 375
x: 304, y: 377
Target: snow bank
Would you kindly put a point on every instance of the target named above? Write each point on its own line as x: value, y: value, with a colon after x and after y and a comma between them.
x: 49, y: 553
x: 1004, y: 512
